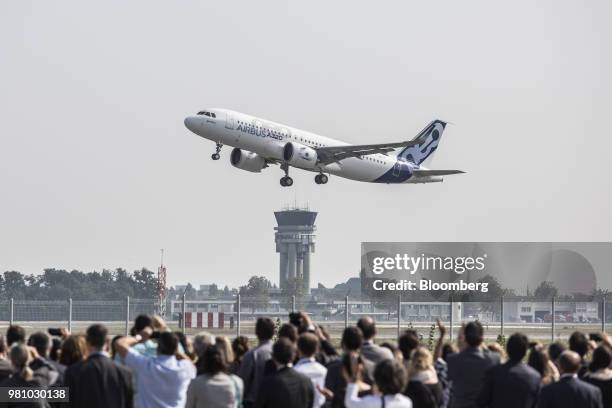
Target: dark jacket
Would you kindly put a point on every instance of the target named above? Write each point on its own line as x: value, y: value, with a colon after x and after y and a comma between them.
x: 604, y: 383
x: 510, y: 385
x: 252, y: 369
x: 6, y: 369
x: 570, y: 392
x: 374, y: 352
x: 99, y: 382
x: 17, y: 381
x: 466, y: 370
x: 424, y: 395
x: 285, y: 388
x: 44, y: 371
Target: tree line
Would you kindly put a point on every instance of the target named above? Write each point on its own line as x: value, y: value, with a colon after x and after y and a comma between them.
x: 55, y: 284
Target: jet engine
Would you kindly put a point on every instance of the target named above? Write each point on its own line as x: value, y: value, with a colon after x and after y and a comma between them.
x: 245, y: 160
x: 274, y: 150
x: 298, y: 155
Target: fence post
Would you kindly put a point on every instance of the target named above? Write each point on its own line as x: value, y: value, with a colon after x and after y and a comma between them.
x: 450, y: 330
x: 183, y: 313
x: 502, y: 316
x: 127, y: 315
x: 399, y: 314
x: 293, y: 303
x: 70, y: 315
x: 603, y: 314
x: 552, y: 325
x: 238, y: 315
x: 12, y: 312
x: 346, y: 312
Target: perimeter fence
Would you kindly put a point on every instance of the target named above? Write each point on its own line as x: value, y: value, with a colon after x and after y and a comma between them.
x: 234, y: 315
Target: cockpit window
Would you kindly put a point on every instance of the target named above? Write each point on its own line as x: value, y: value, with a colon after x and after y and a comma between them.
x: 205, y: 113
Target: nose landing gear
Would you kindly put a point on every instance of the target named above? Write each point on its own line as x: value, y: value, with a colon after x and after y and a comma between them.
x: 216, y: 155
x: 321, y: 179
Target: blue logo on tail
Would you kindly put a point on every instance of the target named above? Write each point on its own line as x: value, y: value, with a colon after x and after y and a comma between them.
x: 428, y: 139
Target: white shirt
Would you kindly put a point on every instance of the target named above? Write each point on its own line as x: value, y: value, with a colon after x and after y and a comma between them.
x: 351, y: 400
x: 162, y: 381
x: 316, y: 372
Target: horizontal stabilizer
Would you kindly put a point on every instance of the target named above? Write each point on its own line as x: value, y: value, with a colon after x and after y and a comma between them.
x: 427, y: 173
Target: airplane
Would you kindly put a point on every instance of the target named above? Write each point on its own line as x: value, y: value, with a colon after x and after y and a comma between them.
x: 259, y: 143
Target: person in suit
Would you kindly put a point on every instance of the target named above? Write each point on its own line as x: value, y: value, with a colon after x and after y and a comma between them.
x: 352, y: 340
x: 43, y: 369
x: 370, y: 350
x: 466, y: 369
x: 570, y: 391
x: 98, y: 381
x: 512, y: 384
x: 286, y: 387
x: 600, y: 374
x: 253, y: 364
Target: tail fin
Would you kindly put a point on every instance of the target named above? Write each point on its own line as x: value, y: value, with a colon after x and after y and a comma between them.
x: 428, y: 138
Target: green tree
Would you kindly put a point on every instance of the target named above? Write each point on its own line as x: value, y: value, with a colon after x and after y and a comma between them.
x: 546, y: 291
x: 256, y: 292
x: 14, y: 285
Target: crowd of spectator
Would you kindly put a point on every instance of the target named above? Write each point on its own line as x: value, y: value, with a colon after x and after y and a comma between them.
x: 296, y: 365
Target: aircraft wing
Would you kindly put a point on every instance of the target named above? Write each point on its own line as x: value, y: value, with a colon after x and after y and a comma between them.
x: 427, y: 173
x: 331, y: 154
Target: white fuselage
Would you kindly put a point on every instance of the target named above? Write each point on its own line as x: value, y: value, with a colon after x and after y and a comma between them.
x: 267, y: 139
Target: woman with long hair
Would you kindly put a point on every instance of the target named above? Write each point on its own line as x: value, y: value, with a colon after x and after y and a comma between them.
x: 215, y: 388
x: 240, y: 345
x: 423, y: 387
x: 224, y: 344
x: 390, y: 380
x: 538, y: 359
x: 73, y: 350
x: 21, y: 356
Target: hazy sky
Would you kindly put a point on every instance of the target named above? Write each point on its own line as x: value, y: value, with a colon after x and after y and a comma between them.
x: 98, y: 171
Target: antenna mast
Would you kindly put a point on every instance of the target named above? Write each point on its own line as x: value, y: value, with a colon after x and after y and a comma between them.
x: 161, y: 286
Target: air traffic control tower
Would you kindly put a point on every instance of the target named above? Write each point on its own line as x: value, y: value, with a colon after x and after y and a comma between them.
x: 295, y: 240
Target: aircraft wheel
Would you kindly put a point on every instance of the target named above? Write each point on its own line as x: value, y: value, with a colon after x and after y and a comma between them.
x: 318, y: 179
x: 288, y: 181
x: 216, y: 156
x: 323, y: 179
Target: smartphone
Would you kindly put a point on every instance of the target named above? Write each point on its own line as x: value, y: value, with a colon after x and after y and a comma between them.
x: 595, y: 337
x: 54, y: 331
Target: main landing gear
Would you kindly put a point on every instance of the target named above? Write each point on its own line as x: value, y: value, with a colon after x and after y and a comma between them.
x: 286, y: 181
x: 216, y: 155
x: 321, y: 179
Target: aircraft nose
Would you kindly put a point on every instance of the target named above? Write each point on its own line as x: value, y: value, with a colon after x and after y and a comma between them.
x: 191, y: 123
